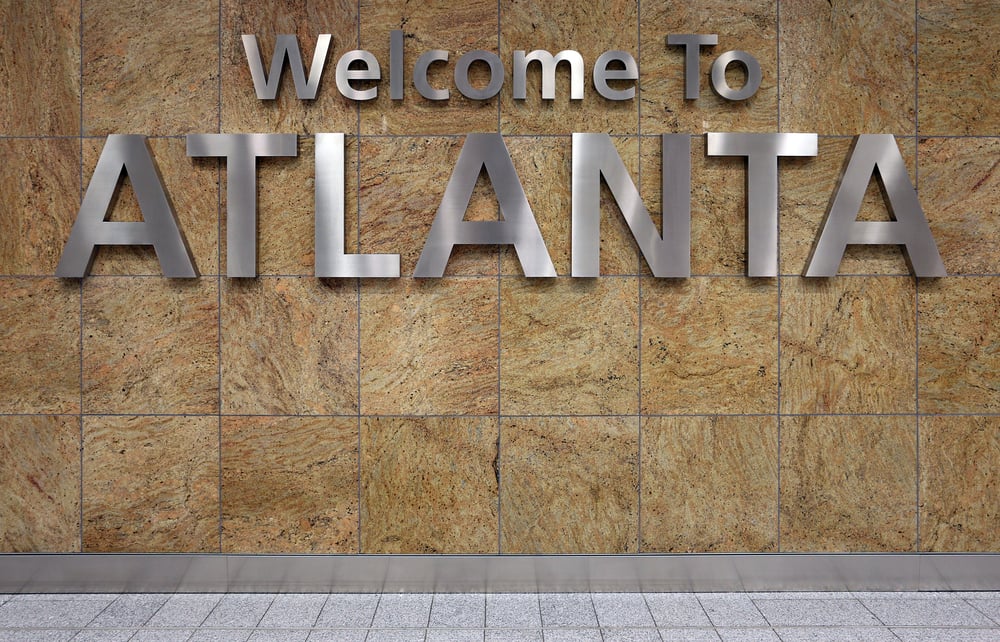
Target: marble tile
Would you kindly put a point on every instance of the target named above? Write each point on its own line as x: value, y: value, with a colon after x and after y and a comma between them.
x: 150, y: 68
x: 569, y: 346
x: 402, y: 183
x: 960, y: 194
x: 808, y: 186
x: 709, y: 484
x: 959, y: 356
x: 192, y: 188
x: 569, y: 485
x: 41, y: 185
x: 455, y: 28
x: 40, y: 475
x: 150, y: 345
x: 847, y: 345
x: 289, y: 346
x: 959, y: 483
x: 957, y: 82
x: 847, y: 69
x: 848, y: 484
x: 709, y: 345
x: 33, y: 103
x: 242, y: 111
x: 545, y: 168
x: 417, y: 474
x: 289, y: 485
x: 750, y: 26
x: 39, y: 345
x: 429, y: 347
x: 150, y: 484
x: 718, y: 205
x: 565, y: 24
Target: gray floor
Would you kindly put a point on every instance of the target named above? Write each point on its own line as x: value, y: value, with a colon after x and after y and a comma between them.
x: 607, y: 617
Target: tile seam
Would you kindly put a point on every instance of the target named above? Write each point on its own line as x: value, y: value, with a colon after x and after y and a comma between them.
x: 80, y: 193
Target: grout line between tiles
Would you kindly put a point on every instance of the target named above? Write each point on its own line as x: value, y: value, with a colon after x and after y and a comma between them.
x: 638, y: 128
x: 218, y: 258
x: 777, y: 83
x: 80, y: 290
x: 916, y: 281
x: 357, y: 205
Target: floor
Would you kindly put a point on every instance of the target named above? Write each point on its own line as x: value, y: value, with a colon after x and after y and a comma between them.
x: 602, y: 617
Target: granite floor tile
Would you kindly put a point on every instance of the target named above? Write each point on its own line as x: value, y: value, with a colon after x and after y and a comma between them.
x: 512, y: 610
x: 731, y: 610
x: 630, y: 635
x: 815, y: 613
x: 951, y: 612
x: 676, y: 610
x: 513, y: 635
x: 748, y: 635
x: 835, y: 634
x: 50, y: 613
x: 453, y: 610
x: 278, y: 636
x: 412, y: 610
x: 221, y: 635
x: 454, y: 635
x: 917, y: 634
x: 341, y: 635
x: 990, y: 607
x: 348, y: 611
x: 292, y: 611
x: 38, y: 635
x: 622, y: 610
x: 571, y: 635
x: 184, y: 610
x: 129, y: 611
x: 688, y: 635
x: 105, y: 635
x: 162, y: 635
x: 567, y: 609
x: 239, y: 610
x: 396, y: 635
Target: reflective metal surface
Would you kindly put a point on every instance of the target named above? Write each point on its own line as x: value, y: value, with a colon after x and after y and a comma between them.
x: 126, y: 154
x: 396, y: 64
x: 462, y: 74
x: 602, y: 74
x: 241, y: 152
x: 518, y: 227
x: 330, y: 258
x: 692, y: 43
x: 875, y: 154
x: 752, y: 68
x: 420, y: 74
x: 594, y: 157
x: 286, y: 47
x: 762, y: 152
x: 548, y: 63
x: 96, y: 573
x: 345, y: 74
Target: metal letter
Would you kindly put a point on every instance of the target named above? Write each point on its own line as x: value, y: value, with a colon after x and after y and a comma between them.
x: 692, y: 43
x: 548, y: 63
x: 330, y: 258
x: 722, y: 87
x: 420, y: 74
x: 396, y: 64
x: 241, y: 152
x: 594, y: 156
x: 602, y: 75
x: 518, y: 227
x: 286, y: 47
x: 345, y: 74
x: 462, y: 75
x: 128, y: 154
x: 762, y: 152
x: 873, y: 153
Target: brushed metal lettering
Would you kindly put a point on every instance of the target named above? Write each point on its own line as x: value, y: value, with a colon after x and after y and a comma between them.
x: 692, y: 43
x: 462, y: 74
x: 548, y: 63
x: 345, y: 74
x: 286, y: 46
x: 602, y: 74
x: 420, y: 74
x: 396, y: 64
x: 752, y: 68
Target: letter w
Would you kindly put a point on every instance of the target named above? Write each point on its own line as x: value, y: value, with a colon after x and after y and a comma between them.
x: 286, y: 47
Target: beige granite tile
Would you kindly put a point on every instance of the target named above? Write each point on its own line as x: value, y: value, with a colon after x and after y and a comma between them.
x: 402, y: 183
x: 289, y: 346
x: 429, y: 485
x: 808, y: 186
x: 242, y: 111
x: 718, y: 201
x: 40, y: 181
x: 959, y: 345
x: 150, y: 68
x: 40, y: 475
x: 848, y: 68
x: 848, y: 345
x: 960, y: 194
x: 545, y: 167
x: 150, y: 484
x: 192, y: 188
x: 150, y: 345
x: 709, y: 484
x: 569, y: 485
x: 429, y: 346
x: 957, y: 66
x: 566, y: 24
x: 32, y: 39
x: 569, y: 346
x: 848, y: 484
x: 39, y: 346
x: 749, y: 26
x: 289, y: 485
x: 455, y: 28
x: 709, y: 345
x: 959, y: 484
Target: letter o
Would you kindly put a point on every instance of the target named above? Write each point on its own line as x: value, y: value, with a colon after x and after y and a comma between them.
x: 462, y: 75
x: 749, y: 63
